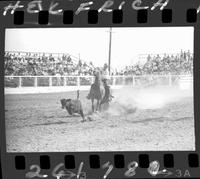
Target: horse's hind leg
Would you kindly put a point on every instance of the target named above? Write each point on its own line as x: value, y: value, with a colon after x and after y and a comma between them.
x: 82, y: 115
x: 100, y: 106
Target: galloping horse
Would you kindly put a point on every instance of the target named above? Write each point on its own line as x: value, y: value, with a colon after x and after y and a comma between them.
x: 97, y: 91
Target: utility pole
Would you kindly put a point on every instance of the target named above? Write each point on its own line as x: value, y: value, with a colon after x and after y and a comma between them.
x: 79, y: 56
x: 109, y: 56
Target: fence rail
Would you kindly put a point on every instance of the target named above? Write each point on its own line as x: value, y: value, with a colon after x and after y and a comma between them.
x: 50, y: 81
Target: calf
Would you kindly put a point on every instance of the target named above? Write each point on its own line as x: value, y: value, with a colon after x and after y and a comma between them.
x: 73, y: 106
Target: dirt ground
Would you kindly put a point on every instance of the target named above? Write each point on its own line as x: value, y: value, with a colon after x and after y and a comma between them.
x: 36, y: 123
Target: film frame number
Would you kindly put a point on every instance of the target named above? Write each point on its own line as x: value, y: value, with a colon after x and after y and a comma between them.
x: 56, y: 172
x: 110, y: 168
x: 132, y: 166
x: 35, y: 173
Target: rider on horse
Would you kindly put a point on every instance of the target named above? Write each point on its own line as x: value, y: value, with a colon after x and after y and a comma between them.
x: 107, y: 97
x: 96, y: 82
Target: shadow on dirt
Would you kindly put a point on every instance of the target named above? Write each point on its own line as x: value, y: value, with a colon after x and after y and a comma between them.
x: 58, y: 122
x: 161, y: 119
x: 158, y: 119
x: 184, y: 118
x: 49, y: 123
x: 62, y: 117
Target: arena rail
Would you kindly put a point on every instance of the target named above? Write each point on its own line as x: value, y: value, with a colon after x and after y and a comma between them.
x: 47, y: 84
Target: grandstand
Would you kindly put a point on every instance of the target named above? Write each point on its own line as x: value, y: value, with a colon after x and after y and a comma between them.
x: 38, y: 64
x: 34, y: 64
x: 29, y: 69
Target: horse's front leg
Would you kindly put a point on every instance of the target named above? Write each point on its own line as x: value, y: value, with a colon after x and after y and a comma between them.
x: 92, y: 105
x: 98, y: 105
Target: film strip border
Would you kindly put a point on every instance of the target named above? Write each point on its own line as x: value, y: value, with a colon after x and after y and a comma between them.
x: 100, y: 13
x: 117, y: 16
x: 22, y: 162
x: 119, y: 161
x: 110, y: 165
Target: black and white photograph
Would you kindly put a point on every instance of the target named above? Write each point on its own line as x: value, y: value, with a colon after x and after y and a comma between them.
x: 99, y: 89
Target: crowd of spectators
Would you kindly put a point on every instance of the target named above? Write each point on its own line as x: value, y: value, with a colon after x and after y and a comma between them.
x: 33, y: 64
x: 179, y: 64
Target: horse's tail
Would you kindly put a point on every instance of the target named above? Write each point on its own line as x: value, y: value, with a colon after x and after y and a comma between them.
x: 77, y: 94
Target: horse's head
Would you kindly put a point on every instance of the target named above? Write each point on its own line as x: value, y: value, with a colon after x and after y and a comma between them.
x: 97, y: 77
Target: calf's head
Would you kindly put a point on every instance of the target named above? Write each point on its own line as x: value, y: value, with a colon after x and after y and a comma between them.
x: 65, y: 103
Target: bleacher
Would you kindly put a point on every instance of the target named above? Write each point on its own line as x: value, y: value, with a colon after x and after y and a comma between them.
x: 50, y: 70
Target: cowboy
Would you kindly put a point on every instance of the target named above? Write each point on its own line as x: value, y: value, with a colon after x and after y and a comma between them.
x: 108, y: 96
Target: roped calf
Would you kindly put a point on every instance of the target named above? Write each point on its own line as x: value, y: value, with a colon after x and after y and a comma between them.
x: 73, y: 106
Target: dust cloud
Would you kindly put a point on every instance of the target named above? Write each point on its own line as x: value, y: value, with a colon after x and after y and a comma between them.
x: 128, y: 100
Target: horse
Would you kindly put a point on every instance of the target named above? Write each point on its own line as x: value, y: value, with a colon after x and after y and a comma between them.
x: 97, y: 91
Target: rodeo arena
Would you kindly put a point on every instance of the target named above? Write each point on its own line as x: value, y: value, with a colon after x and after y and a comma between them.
x: 59, y: 102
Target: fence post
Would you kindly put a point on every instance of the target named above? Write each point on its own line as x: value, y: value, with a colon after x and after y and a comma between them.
x: 114, y: 81
x: 92, y: 81
x: 50, y: 81
x: 35, y: 81
x: 170, y: 80
x: 20, y: 82
x: 123, y: 80
x: 78, y: 81
x: 65, y: 82
x: 133, y: 81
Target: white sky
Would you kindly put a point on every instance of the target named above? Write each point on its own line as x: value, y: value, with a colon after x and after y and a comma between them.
x: 93, y: 43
